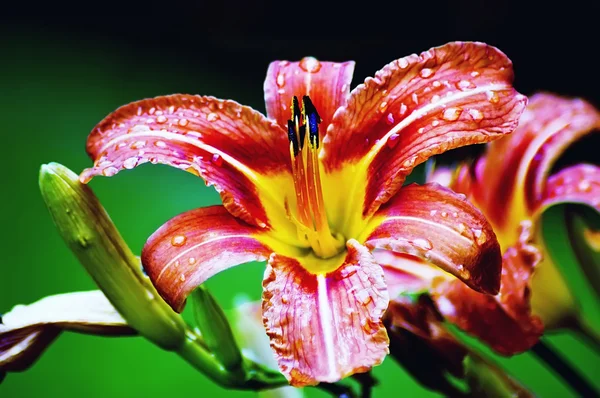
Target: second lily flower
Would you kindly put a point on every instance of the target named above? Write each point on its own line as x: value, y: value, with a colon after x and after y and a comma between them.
x: 314, y: 189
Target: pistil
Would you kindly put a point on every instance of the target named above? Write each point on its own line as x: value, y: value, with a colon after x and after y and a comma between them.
x: 311, y: 220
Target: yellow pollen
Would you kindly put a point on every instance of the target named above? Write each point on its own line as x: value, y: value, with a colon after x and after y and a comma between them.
x: 311, y: 220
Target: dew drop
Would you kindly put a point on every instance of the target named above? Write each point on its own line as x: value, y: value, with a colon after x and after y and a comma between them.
x: 363, y: 296
x: 476, y: 114
x: 393, y: 140
x: 151, y: 111
x: 178, y: 240
x: 403, y: 63
x: 444, y: 214
x: 423, y: 244
x: 160, y: 144
x: 216, y: 159
x: 161, y: 119
x: 183, y: 122
x: 383, y: 106
x: 433, y: 213
x: 465, y: 85
x: 451, y: 114
x: 421, y: 130
x: 182, y: 277
x: 426, y: 72
x: 192, y: 260
x: 435, y: 123
x: 285, y: 299
x: 110, y: 171
x: 211, y: 117
x: 390, y: 119
x: 138, y: 145
x: 492, y: 96
x: 415, y: 98
x: 172, y: 109
x: 131, y: 162
x: 436, y: 84
x: 435, y: 99
x: 280, y: 80
x: 584, y: 186
x: 310, y: 64
x: 475, y: 74
x: 403, y: 109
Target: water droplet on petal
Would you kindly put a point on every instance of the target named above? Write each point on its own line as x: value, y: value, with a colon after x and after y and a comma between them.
x: 110, y: 171
x: 160, y: 144
x: 475, y: 74
x: 383, y: 106
x: 151, y: 111
x: 435, y: 99
x: 465, y: 85
x: 390, y: 119
x: 138, y: 144
x: 131, y: 162
x: 310, y: 64
x: 161, y: 119
x: 393, y: 140
x: 182, y: 277
x: 402, y: 63
x: 451, y: 114
x: 444, y: 214
x: 183, y: 122
x: 211, y: 117
x: 280, y: 80
x: 433, y: 213
x: 217, y: 160
x: 178, y: 240
x: 363, y: 296
x: 415, y: 98
x: 192, y: 260
x: 285, y: 299
x: 584, y: 186
x: 403, y: 109
x: 426, y: 72
x: 476, y: 114
x: 492, y: 96
x: 435, y: 123
x: 423, y: 244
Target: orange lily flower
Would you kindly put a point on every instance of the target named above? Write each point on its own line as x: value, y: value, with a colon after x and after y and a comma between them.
x: 513, y: 185
x: 316, y: 186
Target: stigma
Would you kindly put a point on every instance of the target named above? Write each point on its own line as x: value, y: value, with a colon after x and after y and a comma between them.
x: 310, y: 216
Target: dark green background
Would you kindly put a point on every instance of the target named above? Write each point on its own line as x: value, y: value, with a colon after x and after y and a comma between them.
x: 59, y: 79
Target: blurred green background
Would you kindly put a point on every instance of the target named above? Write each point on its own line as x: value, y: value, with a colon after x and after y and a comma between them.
x: 58, y: 80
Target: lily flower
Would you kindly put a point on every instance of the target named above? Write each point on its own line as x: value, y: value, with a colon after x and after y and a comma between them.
x: 513, y: 184
x: 316, y: 185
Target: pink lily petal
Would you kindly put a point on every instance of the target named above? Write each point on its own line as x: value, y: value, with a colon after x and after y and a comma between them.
x: 195, y: 245
x: 434, y: 223
x: 513, y: 173
x: 576, y: 184
x: 325, y: 327
x: 405, y: 273
x: 27, y: 330
x: 231, y: 146
x: 419, y: 106
x: 327, y: 84
x: 505, y: 321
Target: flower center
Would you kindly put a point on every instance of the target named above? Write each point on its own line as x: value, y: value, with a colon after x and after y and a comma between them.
x: 311, y: 220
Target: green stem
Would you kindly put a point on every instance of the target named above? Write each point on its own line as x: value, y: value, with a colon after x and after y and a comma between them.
x: 586, y: 332
x: 564, y: 369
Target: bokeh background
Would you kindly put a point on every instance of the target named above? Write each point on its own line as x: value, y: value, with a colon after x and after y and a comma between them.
x: 63, y: 68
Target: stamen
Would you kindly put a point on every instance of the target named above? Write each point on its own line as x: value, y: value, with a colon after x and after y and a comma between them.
x: 312, y: 217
